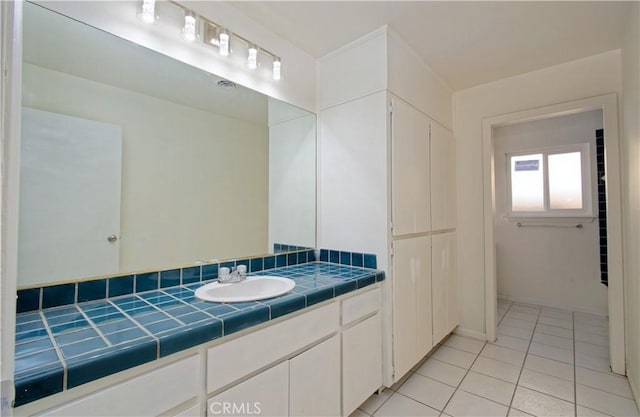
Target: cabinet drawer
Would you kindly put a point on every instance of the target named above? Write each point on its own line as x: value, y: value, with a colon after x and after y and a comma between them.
x: 361, y: 305
x: 233, y: 360
x: 146, y: 395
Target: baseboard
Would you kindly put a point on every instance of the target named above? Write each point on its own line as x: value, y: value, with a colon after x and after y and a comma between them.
x: 544, y: 303
x: 634, y: 389
x: 473, y: 334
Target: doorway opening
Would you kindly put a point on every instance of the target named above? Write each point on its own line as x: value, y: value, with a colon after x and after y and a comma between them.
x: 542, y: 232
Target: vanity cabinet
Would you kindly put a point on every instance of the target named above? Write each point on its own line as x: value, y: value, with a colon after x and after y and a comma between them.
x: 325, y: 361
x: 331, y: 378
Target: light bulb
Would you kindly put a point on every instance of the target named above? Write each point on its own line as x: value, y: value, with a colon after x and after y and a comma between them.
x: 277, y: 65
x: 189, y: 29
x: 252, y: 58
x: 148, y: 14
x: 223, y: 39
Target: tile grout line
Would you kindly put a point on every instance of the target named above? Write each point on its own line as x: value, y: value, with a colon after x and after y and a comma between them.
x: 521, y: 370
x: 144, y: 329
x: 465, y: 375
x: 504, y: 315
x: 424, y: 360
x: 517, y: 384
x: 197, y: 309
x: 57, y: 349
x: 94, y: 326
x: 158, y: 309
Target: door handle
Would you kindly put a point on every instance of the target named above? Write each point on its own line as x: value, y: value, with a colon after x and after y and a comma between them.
x: 112, y: 238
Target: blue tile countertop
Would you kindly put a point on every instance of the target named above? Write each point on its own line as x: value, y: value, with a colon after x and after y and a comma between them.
x: 90, y: 340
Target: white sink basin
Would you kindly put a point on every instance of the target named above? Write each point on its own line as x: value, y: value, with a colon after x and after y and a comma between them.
x: 252, y: 289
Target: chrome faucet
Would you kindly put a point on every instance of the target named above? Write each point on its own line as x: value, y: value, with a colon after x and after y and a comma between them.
x: 236, y: 274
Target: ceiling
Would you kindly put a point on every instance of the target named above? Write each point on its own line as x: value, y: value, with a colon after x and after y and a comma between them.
x: 465, y: 43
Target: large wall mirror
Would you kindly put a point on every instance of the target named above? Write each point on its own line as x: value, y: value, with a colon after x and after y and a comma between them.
x: 131, y: 160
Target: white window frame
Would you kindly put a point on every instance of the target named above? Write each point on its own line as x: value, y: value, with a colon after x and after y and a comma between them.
x: 587, y: 210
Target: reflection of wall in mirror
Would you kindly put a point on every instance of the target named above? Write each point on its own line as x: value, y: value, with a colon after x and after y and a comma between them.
x: 194, y: 183
x: 292, y: 184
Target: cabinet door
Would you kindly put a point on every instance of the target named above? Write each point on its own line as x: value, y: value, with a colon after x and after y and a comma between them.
x: 443, y: 178
x: 410, y: 183
x: 412, y: 324
x: 314, y: 378
x: 265, y: 394
x: 444, y: 284
x: 361, y: 362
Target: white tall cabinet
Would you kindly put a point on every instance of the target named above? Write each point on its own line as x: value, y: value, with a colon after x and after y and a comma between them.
x: 422, y: 238
x: 387, y: 186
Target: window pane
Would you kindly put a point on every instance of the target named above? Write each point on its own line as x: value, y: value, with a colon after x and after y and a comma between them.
x: 565, y: 181
x: 527, y: 190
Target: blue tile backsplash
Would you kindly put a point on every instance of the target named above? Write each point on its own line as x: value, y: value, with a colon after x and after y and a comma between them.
x: 32, y: 299
x: 91, y: 329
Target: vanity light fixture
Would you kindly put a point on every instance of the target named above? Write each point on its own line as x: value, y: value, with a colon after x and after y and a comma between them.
x: 189, y: 30
x: 213, y: 34
x: 147, y: 11
x: 277, y: 66
x: 252, y: 57
x: 210, y: 34
x: 223, y: 42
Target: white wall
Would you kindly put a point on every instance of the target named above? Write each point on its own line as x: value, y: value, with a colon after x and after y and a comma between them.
x: 292, y: 176
x: 194, y: 183
x: 630, y: 140
x: 549, y: 266
x: 586, y: 77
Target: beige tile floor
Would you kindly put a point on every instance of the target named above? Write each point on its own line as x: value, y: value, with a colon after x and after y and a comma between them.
x: 545, y: 362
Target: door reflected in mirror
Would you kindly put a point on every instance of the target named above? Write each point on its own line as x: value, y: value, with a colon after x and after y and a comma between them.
x: 132, y: 161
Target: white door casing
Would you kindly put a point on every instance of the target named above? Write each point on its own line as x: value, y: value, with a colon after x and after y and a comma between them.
x: 608, y: 103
